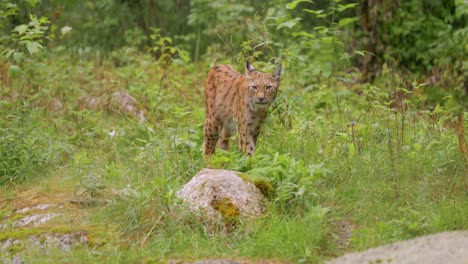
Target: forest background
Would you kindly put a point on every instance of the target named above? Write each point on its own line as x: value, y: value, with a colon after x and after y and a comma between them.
x: 364, y: 146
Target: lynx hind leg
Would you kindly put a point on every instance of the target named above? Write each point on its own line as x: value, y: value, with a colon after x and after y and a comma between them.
x: 211, y: 136
x: 228, y: 130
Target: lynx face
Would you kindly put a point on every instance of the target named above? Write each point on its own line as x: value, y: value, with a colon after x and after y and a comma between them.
x: 262, y: 89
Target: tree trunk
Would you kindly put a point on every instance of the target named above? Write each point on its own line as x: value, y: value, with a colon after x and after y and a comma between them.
x: 370, y: 64
x: 374, y: 13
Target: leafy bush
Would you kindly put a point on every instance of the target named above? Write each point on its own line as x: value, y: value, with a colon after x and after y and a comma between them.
x: 290, y: 185
x: 29, y: 36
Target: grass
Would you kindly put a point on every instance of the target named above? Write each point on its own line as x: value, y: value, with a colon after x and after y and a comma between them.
x: 331, y: 155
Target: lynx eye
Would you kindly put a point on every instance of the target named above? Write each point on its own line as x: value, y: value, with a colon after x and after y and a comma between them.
x: 253, y: 87
x: 268, y: 87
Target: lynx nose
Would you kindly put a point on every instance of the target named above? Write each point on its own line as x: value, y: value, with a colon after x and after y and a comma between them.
x: 260, y: 99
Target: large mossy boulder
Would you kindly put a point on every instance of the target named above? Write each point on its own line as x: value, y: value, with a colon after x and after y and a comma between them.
x: 222, y: 195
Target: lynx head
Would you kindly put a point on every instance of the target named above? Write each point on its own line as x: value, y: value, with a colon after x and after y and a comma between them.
x: 262, y: 87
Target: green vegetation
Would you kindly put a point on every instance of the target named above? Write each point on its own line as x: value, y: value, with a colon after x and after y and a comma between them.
x: 362, y: 132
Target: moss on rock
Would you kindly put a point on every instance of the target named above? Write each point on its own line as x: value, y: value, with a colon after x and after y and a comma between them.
x: 263, y: 184
x: 225, y: 206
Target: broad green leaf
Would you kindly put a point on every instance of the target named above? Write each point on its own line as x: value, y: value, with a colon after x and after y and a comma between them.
x: 346, y: 21
x: 327, y: 40
x: 20, y: 29
x: 359, y: 52
x: 304, y: 34
x: 322, y: 30
x: 8, y: 53
x: 32, y: 3
x: 33, y: 47
x: 18, y: 56
x: 10, y: 5
x: 9, y: 9
x: 315, y: 12
x: 341, y: 8
x: 290, y: 23
x: 44, y: 20
x: 293, y: 4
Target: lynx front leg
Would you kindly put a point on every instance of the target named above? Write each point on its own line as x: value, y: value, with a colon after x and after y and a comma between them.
x: 251, y: 143
x: 246, y: 140
x: 255, y: 133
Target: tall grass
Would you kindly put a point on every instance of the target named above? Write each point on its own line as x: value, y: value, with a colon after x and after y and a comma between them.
x: 27, y: 147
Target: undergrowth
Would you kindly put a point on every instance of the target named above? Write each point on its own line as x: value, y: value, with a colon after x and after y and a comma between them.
x: 328, y: 153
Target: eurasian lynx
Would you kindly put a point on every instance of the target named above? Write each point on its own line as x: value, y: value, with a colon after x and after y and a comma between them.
x: 229, y: 96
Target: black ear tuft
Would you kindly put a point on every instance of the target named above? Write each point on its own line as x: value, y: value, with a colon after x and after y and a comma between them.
x: 277, y: 72
x: 249, y: 67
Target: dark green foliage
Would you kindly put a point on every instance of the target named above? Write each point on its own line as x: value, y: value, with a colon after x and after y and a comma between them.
x: 425, y: 38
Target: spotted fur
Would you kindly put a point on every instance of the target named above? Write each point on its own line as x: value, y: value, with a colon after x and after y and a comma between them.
x: 230, y: 97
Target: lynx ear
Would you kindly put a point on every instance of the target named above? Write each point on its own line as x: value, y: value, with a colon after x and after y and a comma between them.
x: 248, y: 68
x: 277, y: 72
